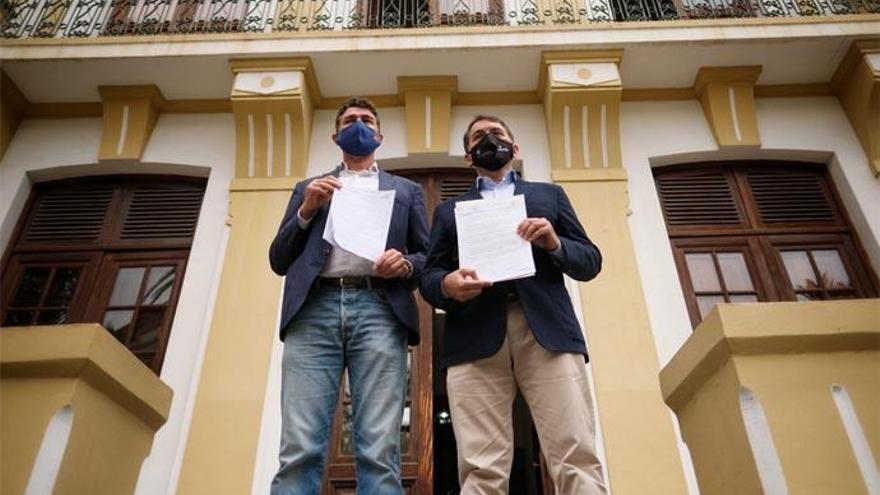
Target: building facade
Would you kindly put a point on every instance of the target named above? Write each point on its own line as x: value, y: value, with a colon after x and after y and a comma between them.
x: 724, y: 155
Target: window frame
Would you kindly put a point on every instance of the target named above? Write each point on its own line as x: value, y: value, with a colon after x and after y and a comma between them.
x: 764, y: 240
x: 754, y: 258
x: 16, y: 266
x: 103, y: 255
x: 103, y: 289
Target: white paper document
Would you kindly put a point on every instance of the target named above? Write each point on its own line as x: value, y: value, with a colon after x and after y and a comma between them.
x: 487, y: 238
x: 358, y: 221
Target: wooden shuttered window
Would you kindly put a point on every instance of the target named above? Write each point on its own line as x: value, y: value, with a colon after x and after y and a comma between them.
x: 791, y: 196
x: 700, y: 198
x: 759, y: 231
x: 110, y: 250
x: 455, y: 184
x: 76, y: 214
x: 440, y: 185
x: 112, y: 212
x: 162, y: 211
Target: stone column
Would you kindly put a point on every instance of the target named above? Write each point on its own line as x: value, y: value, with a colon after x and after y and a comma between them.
x: 272, y: 101
x: 581, y: 92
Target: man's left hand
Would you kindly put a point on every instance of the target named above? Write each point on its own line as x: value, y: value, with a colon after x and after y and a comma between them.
x: 391, y: 264
x: 539, y: 231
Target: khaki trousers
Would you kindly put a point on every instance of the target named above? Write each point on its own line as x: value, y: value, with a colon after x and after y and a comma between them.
x: 556, y: 388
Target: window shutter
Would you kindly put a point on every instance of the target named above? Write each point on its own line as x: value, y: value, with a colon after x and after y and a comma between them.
x: 455, y: 185
x: 69, y: 213
x: 162, y: 212
x: 785, y: 196
x: 704, y: 198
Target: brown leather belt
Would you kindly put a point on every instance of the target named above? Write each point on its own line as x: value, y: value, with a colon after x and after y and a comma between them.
x: 349, y: 282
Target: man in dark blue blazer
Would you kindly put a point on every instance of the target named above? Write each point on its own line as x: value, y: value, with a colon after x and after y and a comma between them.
x: 340, y: 311
x: 516, y: 333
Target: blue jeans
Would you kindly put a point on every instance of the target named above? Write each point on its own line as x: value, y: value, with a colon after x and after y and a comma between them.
x: 354, y: 329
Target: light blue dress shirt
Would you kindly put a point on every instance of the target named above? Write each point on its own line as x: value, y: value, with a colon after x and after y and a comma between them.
x: 489, y: 189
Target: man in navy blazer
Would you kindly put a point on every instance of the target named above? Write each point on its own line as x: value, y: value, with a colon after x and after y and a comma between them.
x: 516, y: 333
x: 342, y: 312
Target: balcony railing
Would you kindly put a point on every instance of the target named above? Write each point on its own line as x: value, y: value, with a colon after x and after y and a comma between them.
x: 92, y: 18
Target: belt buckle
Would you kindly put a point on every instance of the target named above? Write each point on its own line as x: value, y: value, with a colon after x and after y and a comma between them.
x: 351, y: 282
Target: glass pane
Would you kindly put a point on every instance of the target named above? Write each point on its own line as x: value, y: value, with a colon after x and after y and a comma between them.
x: 128, y: 283
x: 735, y: 272
x: 831, y: 270
x: 744, y: 298
x: 706, y: 303
x: 404, y: 430
x: 52, y: 317
x: 31, y: 287
x: 146, y: 330
x: 346, y: 446
x: 18, y: 318
x: 116, y: 321
x: 63, y: 287
x: 408, y: 375
x: 809, y: 296
x: 800, y: 272
x: 703, y: 274
x: 159, y: 285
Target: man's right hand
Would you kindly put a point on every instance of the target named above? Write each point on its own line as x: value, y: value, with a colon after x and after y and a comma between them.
x: 318, y: 193
x: 463, y: 284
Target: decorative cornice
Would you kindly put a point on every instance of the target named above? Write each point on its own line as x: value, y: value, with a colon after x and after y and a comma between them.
x: 572, y: 57
x: 297, y: 64
x: 727, y: 95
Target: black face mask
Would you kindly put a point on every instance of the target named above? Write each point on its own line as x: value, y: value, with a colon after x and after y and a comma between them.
x: 491, y: 153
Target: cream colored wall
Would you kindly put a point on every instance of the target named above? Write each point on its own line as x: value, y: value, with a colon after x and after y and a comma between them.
x: 658, y: 133
x: 200, y: 145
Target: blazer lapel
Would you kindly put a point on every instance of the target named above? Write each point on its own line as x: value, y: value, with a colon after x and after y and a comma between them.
x: 522, y: 187
x: 473, y: 193
x: 386, y: 181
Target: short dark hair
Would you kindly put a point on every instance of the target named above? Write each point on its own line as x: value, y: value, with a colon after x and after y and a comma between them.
x: 358, y: 102
x: 490, y: 118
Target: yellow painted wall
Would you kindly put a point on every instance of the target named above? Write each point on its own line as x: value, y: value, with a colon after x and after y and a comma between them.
x: 640, y: 444
x: 788, y: 355
x: 118, y: 404
x: 225, y: 429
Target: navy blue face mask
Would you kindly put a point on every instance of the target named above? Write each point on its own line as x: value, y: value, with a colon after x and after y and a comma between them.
x: 357, y: 139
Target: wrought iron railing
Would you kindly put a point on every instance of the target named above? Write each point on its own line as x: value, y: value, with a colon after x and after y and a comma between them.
x: 91, y: 18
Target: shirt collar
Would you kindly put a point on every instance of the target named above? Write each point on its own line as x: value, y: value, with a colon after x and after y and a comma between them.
x: 485, y: 183
x: 372, y: 170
